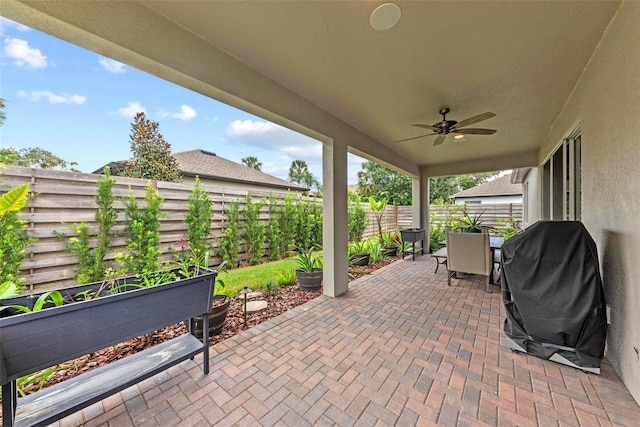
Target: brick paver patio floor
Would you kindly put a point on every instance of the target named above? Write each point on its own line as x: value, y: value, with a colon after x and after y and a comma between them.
x: 400, y: 348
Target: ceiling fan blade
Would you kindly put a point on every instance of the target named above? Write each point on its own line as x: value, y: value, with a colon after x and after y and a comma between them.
x: 472, y: 120
x: 475, y: 131
x: 415, y: 137
x: 439, y: 140
x: 433, y: 128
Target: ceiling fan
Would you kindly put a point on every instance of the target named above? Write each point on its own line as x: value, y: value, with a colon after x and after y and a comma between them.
x: 445, y: 127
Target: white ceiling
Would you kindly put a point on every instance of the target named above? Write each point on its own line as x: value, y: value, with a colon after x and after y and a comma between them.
x: 520, y: 60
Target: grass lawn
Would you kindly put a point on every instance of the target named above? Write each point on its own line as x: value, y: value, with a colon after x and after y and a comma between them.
x: 254, y: 276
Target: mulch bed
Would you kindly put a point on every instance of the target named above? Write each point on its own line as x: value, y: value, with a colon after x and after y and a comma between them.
x: 285, y: 299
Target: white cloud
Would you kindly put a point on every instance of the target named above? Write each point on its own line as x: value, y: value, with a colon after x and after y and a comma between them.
x: 62, y: 98
x: 23, y: 55
x: 186, y: 113
x: 287, y: 144
x: 112, y: 66
x: 131, y: 109
x: 7, y: 23
x: 273, y: 137
x: 240, y: 129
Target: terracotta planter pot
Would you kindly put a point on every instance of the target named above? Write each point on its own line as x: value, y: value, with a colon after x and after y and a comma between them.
x: 309, y: 281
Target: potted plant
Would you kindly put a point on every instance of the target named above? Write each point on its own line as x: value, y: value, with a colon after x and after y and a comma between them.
x: 375, y: 251
x: 470, y: 224
x: 358, y: 253
x: 391, y: 243
x: 309, y: 271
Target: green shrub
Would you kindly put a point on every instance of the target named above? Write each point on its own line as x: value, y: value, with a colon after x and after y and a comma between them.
x: 229, y: 242
x: 357, y: 217
x: 253, y: 230
x: 375, y: 250
x: 91, y: 264
x: 270, y: 288
x: 274, y: 236
x: 286, y: 277
x: 288, y: 224
x: 511, y: 228
x: 198, y: 221
x: 14, y: 240
x: 142, y: 227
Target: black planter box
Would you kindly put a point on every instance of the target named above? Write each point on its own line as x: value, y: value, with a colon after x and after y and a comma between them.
x: 413, y: 235
x: 38, y: 340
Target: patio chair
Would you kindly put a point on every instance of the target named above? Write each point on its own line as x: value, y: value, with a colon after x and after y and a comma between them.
x: 469, y: 253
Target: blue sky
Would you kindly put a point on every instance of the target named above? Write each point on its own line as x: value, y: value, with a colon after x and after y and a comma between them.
x: 79, y: 105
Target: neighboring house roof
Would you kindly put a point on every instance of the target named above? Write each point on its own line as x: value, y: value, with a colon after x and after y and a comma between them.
x: 498, y: 187
x: 208, y: 165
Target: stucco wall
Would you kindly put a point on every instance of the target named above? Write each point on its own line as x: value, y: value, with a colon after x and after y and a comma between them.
x: 531, y: 201
x: 606, y: 102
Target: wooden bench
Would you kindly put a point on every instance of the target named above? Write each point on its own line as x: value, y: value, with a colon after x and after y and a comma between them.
x: 60, y: 400
x: 31, y: 345
x: 67, y: 397
x: 441, y: 257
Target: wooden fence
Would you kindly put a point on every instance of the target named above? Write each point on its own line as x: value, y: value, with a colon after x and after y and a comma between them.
x: 398, y: 217
x: 66, y: 198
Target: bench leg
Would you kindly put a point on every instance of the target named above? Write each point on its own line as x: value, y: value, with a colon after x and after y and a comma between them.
x: 205, y: 342
x: 9, y: 403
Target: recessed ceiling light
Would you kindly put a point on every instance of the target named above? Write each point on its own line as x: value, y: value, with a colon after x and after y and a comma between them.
x: 458, y: 137
x: 385, y: 16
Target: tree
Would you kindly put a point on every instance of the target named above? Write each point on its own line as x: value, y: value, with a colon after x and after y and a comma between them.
x: 2, y: 115
x: 152, y: 157
x: 299, y: 173
x: 252, y: 162
x: 442, y: 188
x: 377, y: 180
x: 34, y: 158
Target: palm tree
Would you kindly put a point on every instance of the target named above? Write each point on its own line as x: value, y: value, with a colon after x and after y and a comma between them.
x: 2, y: 115
x: 252, y: 162
x: 300, y: 174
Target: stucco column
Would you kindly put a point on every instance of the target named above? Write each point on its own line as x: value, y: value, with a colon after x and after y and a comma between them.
x: 420, y: 211
x: 334, y: 223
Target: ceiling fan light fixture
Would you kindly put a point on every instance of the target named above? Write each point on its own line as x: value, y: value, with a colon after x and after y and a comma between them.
x: 385, y: 16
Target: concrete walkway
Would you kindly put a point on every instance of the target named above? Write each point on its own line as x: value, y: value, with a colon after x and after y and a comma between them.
x: 401, y: 348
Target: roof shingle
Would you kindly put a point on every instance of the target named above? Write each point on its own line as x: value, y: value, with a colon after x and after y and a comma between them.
x: 209, y: 165
x: 498, y: 187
